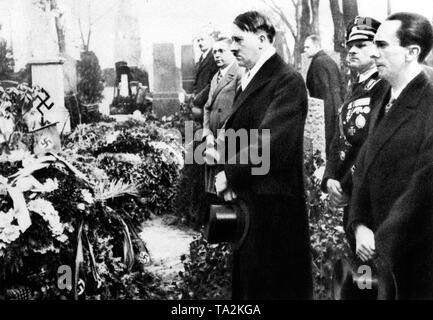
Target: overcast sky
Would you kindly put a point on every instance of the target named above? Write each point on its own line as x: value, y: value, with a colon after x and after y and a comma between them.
x: 173, y: 21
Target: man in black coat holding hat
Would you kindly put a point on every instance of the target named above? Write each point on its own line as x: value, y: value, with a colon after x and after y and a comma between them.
x: 274, y: 260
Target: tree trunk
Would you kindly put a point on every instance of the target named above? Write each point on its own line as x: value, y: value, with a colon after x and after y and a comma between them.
x: 315, y: 22
x: 304, y: 27
x: 350, y: 11
x: 61, y: 34
x: 339, y: 27
x: 340, y: 34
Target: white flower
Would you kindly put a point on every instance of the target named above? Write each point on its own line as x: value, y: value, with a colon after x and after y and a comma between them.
x: 87, y: 196
x: 137, y: 115
x: 46, y: 210
x: 46, y: 249
x: 62, y: 238
x: 51, y: 185
x: 5, y: 219
x: 10, y: 234
x: 129, y: 157
x: 18, y: 155
x: 339, y: 229
x: 68, y: 227
x: 112, y: 136
x: 99, y: 174
x: 42, y: 207
x: 81, y: 206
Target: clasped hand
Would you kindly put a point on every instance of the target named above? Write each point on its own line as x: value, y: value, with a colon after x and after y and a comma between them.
x: 337, y: 196
x: 365, y: 243
x: 211, y: 155
x: 222, y: 188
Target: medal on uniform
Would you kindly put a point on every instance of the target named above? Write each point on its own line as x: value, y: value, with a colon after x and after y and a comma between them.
x: 360, y: 121
x: 366, y: 110
x: 351, y: 131
x: 342, y: 155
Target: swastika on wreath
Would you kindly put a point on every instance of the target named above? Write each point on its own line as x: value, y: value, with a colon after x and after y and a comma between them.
x: 46, y: 142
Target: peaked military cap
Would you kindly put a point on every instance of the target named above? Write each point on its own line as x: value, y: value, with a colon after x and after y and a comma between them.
x: 362, y: 28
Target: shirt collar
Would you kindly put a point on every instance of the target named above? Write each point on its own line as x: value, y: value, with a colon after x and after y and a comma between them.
x: 262, y: 60
x: 396, y: 93
x: 224, y: 70
x: 367, y: 74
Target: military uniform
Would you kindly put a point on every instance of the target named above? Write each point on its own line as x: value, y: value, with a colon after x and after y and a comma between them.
x: 353, y: 117
x: 352, y: 131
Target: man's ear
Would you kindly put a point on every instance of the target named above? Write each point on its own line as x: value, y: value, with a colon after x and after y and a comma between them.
x: 413, y: 52
x: 262, y: 39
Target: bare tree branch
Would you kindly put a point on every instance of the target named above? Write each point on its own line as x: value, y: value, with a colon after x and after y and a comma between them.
x: 276, y: 9
x: 90, y: 24
x: 81, y: 33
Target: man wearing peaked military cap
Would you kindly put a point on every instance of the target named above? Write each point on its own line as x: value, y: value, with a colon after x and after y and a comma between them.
x: 361, y: 28
x: 353, y: 117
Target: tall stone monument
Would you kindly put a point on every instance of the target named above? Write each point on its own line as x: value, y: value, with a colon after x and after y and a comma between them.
x: 314, y: 132
x: 127, y: 44
x: 166, y: 80
x: 47, y: 66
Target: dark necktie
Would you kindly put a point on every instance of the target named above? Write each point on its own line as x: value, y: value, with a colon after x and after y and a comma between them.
x: 219, y: 77
x: 201, y: 59
x: 238, y: 92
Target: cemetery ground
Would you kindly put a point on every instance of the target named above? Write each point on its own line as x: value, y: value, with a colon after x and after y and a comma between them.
x: 114, y: 208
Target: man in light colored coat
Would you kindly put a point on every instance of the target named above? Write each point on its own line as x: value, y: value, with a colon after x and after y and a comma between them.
x: 219, y: 105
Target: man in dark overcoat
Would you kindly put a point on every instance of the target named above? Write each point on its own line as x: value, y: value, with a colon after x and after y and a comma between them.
x: 206, y: 68
x: 389, y: 227
x: 274, y: 261
x: 325, y: 82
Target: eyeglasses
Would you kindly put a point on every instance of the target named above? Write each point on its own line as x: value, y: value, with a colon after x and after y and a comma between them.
x: 219, y: 51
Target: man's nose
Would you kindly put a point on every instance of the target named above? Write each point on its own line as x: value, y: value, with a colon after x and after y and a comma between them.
x: 233, y: 47
x: 374, y: 52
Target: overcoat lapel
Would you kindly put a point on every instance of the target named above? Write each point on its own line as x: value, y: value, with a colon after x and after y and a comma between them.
x: 377, y: 109
x: 204, y: 62
x: 228, y: 77
x: 402, y: 110
x: 262, y: 77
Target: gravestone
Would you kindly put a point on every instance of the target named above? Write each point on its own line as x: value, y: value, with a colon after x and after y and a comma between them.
x: 47, y: 67
x: 314, y: 133
x: 187, y: 68
x: 166, y: 80
x: 48, y: 74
